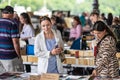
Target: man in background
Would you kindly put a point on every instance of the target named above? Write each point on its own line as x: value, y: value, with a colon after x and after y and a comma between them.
x: 94, y: 16
x: 9, y: 42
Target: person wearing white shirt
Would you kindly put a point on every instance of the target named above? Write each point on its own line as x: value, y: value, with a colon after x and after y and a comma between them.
x: 27, y: 31
x: 27, y: 27
x: 48, y: 46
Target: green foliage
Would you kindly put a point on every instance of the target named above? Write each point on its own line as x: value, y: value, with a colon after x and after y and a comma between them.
x: 105, y: 6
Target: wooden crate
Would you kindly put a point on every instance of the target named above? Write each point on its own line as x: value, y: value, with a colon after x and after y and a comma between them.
x: 23, y: 50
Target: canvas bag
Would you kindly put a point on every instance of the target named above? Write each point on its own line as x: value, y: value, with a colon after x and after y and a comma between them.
x: 62, y: 56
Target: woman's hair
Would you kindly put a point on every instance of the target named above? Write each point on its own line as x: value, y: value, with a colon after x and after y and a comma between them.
x: 43, y: 18
x: 27, y: 19
x: 77, y: 19
x: 101, y: 26
x: 53, y: 17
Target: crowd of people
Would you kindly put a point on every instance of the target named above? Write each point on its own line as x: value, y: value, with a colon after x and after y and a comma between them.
x: 49, y: 43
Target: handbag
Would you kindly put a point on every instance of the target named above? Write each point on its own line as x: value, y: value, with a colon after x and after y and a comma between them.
x: 62, y: 56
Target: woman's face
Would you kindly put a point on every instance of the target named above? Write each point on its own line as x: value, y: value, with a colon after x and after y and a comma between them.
x: 46, y: 26
x: 75, y: 23
x: 93, y: 18
x: 22, y: 20
x: 99, y: 34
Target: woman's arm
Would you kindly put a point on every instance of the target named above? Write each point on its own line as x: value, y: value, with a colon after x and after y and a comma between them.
x: 40, y: 48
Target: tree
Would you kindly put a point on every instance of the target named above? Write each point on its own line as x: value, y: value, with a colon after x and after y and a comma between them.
x: 72, y: 5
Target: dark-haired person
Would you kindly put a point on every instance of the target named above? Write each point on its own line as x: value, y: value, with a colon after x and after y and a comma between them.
x: 94, y: 16
x: 27, y: 27
x: 9, y: 42
x: 27, y: 31
x: 48, y: 45
x: 105, y: 59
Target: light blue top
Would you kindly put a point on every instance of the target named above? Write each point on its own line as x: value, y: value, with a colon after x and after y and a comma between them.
x: 52, y: 63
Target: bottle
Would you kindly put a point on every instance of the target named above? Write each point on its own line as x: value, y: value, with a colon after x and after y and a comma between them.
x: 83, y: 43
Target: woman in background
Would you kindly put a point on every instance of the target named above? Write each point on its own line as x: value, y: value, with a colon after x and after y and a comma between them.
x: 27, y: 31
x: 105, y: 59
x: 27, y: 27
x: 48, y: 45
x: 76, y: 30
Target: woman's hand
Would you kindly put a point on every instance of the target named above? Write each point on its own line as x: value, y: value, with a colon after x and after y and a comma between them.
x: 56, y: 51
x: 94, y: 73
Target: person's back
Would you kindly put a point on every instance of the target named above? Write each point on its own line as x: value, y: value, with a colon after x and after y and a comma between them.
x: 82, y: 19
x: 9, y: 42
x: 6, y: 45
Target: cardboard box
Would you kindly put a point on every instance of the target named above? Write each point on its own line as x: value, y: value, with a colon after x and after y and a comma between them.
x: 71, y: 60
x: 81, y: 61
x: 86, y: 61
x: 24, y: 58
x: 81, y: 53
x: 91, y: 54
x: 88, y: 53
x: 32, y: 58
x: 23, y: 50
x: 34, y: 77
x: 91, y: 62
x: 49, y: 76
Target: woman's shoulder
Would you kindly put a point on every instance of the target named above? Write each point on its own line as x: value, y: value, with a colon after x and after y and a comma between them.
x: 109, y: 38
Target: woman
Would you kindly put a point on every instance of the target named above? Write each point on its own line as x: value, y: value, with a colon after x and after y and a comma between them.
x: 27, y: 27
x: 48, y: 45
x: 76, y: 30
x: 27, y: 31
x: 105, y: 59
